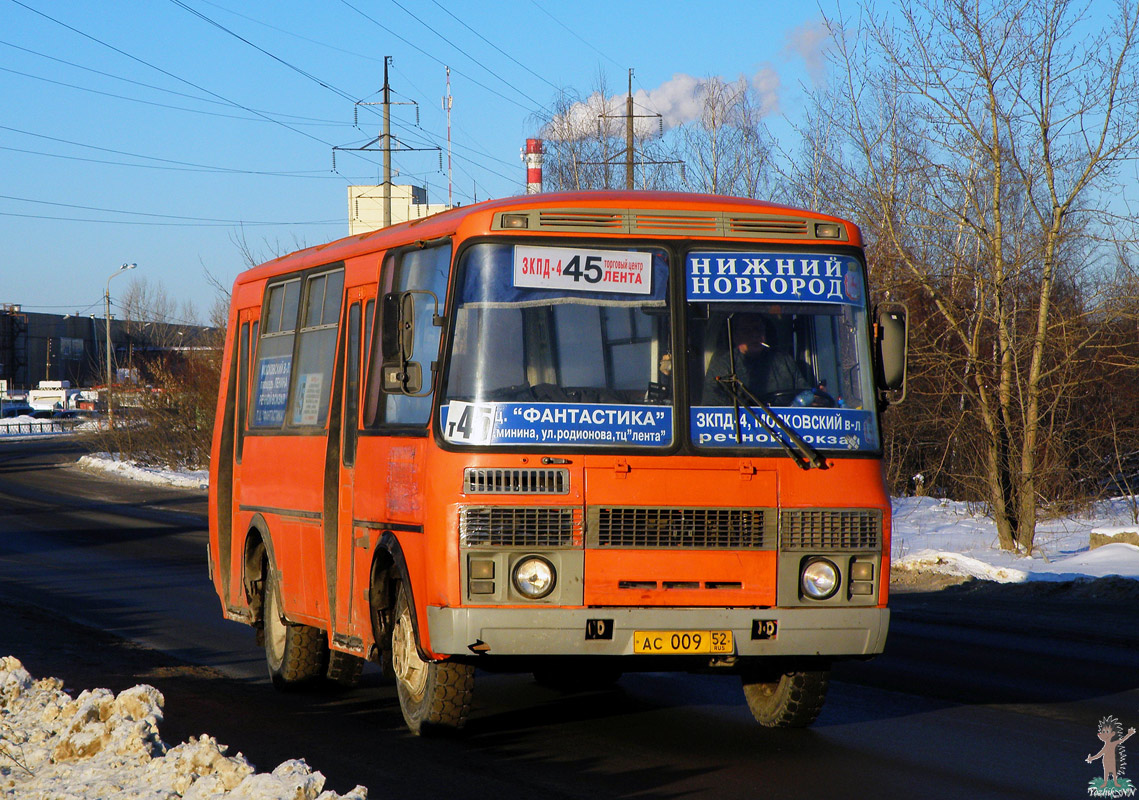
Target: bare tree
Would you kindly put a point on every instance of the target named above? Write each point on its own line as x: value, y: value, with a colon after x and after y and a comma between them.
x: 726, y: 150
x: 721, y: 148
x: 981, y: 140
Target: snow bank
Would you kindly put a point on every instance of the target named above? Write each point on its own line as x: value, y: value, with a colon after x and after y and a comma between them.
x: 99, y: 745
x: 953, y: 538
x: 107, y: 462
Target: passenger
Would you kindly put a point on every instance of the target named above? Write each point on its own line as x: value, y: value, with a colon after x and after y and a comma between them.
x: 764, y: 370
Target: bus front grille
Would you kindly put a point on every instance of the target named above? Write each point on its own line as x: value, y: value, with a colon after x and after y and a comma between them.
x: 515, y: 481
x: 507, y: 526
x: 638, y: 527
x: 830, y: 529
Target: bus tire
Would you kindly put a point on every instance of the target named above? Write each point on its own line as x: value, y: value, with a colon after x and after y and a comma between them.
x: 296, y: 655
x: 792, y: 700
x: 344, y: 669
x: 434, y: 696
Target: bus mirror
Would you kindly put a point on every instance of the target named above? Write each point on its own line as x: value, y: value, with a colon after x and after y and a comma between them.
x: 401, y: 374
x: 389, y: 332
x: 403, y: 378
x: 892, y: 343
x: 406, y: 325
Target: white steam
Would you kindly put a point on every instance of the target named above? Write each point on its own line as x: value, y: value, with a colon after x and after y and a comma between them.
x: 684, y: 98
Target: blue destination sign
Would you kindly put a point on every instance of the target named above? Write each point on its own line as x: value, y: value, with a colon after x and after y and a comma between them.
x: 773, y: 277
x: 555, y: 423
x: 828, y: 428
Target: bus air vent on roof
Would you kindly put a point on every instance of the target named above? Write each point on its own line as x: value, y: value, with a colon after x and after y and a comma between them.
x: 787, y: 227
x: 676, y: 223
x: 601, y: 220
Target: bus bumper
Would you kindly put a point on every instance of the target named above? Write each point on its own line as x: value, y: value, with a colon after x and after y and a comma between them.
x: 609, y: 631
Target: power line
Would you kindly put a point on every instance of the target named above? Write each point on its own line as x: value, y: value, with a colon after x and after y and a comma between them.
x: 423, y: 52
x: 168, y: 73
x: 324, y: 84
x: 447, y: 11
x: 574, y: 33
x: 162, y: 224
x: 160, y: 216
x: 145, y: 85
x: 155, y: 103
x: 291, y: 33
x: 260, y: 49
x: 184, y: 164
x: 465, y: 53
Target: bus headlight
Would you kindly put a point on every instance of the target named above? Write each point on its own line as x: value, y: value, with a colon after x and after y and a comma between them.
x: 820, y: 579
x: 534, y: 577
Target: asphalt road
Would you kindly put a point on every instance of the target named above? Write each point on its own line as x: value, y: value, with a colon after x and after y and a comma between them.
x: 982, y: 692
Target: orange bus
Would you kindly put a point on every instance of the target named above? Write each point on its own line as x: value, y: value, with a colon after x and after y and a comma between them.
x: 568, y: 434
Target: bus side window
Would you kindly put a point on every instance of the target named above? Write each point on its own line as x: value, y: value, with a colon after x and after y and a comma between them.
x: 316, y: 349
x: 242, y: 385
x: 351, y: 387
x: 275, y: 354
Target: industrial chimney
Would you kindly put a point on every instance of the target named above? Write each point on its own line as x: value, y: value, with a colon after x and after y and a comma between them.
x: 533, y: 158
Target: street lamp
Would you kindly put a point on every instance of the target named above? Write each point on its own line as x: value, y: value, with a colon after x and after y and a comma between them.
x: 107, y: 329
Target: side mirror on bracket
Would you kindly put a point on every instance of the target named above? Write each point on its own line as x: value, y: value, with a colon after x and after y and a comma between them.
x: 401, y: 375
x: 891, y: 341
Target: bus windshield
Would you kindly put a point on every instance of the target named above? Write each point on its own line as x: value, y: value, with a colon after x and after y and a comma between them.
x: 786, y: 331
x: 562, y: 345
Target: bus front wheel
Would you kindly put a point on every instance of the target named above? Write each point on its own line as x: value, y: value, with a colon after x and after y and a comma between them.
x: 434, y: 696
x: 296, y: 654
x: 789, y: 700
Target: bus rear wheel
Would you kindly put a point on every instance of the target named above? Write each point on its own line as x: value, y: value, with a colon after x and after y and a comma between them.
x: 434, y: 696
x: 789, y: 700
x: 296, y: 655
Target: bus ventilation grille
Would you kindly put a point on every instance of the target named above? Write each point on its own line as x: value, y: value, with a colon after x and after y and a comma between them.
x: 682, y: 528
x: 504, y: 526
x: 515, y: 481
x: 613, y: 220
x: 647, y: 222
x: 830, y: 529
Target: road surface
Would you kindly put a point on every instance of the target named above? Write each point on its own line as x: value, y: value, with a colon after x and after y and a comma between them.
x: 982, y: 692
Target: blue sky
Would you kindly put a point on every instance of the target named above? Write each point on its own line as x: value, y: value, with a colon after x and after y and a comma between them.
x: 142, y: 131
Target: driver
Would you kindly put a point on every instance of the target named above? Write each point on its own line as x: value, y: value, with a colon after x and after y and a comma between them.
x: 765, y: 371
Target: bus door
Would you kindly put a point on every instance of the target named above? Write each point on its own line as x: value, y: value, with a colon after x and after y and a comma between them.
x: 248, y: 320
x: 349, y: 610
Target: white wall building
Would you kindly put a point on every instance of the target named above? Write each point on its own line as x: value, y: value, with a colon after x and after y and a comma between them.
x: 366, y: 206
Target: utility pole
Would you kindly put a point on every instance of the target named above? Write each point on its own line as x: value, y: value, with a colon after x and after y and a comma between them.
x: 447, y: 101
x: 629, y: 134
x: 385, y: 141
x: 387, y: 146
x: 630, y: 150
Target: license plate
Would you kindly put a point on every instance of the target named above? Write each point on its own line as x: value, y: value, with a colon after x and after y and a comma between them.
x: 672, y: 642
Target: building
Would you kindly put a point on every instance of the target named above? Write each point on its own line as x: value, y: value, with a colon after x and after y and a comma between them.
x: 366, y: 206
x: 38, y: 347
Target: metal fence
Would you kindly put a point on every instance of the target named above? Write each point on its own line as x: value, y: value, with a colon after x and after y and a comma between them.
x: 39, y: 426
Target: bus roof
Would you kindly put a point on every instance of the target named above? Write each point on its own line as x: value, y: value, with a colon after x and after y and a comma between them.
x: 477, y: 218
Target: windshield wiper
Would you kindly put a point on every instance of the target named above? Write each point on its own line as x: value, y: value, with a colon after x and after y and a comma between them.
x: 802, y: 454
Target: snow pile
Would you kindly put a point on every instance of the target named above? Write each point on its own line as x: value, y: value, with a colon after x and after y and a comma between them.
x: 106, y: 746
x: 932, y: 535
x: 107, y: 462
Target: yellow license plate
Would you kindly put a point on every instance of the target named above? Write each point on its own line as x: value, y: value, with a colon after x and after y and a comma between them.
x: 671, y: 642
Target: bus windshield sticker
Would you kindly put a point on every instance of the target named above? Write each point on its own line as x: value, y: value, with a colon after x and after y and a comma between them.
x: 577, y: 269
x: 773, y: 277
x: 555, y: 423
x: 272, y: 391
x: 831, y: 428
